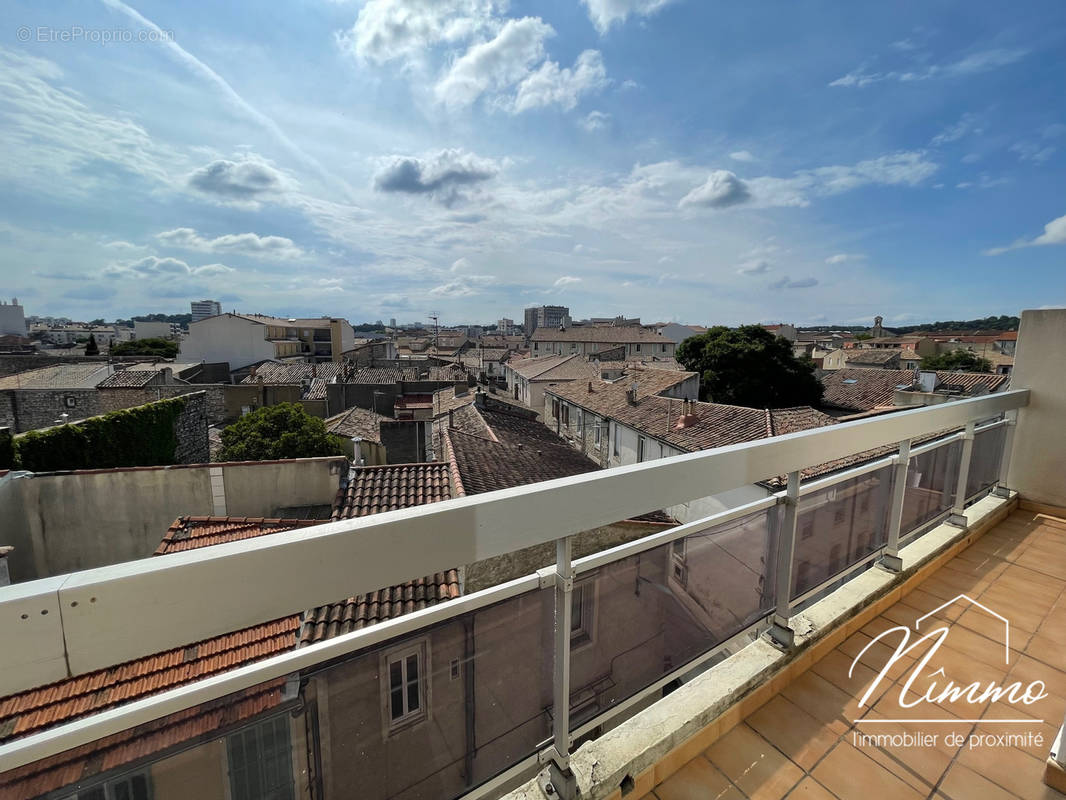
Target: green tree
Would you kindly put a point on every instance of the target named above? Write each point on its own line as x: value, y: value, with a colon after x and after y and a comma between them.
x: 92, y: 348
x: 957, y: 361
x: 281, y: 431
x: 160, y: 348
x: 749, y: 366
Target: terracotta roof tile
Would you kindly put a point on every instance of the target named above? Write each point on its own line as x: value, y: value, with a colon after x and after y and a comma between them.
x: 357, y: 421
x: 856, y: 389
x: 603, y: 334
x: 608, y: 397
x: 128, y: 378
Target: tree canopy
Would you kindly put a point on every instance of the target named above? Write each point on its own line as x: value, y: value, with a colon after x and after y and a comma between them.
x: 161, y: 348
x: 282, y: 431
x: 749, y: 366
x: 92, y: 348
x: 957, y: 361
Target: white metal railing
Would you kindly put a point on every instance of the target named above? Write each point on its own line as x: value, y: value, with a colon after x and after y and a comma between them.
x: 77, y: 623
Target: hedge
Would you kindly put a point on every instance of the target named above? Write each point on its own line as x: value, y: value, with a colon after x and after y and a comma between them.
x: 143, y: 436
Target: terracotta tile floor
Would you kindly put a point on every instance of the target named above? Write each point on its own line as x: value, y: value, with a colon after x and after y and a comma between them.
x: 806, y: 743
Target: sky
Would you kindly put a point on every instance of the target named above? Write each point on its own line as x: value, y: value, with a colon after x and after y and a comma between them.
x: 678, y: 160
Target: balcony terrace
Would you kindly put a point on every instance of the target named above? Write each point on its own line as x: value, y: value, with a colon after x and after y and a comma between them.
x: 811, y: 739
x: 668, y: 664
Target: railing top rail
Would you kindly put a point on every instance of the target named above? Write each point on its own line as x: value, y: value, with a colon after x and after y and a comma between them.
x: 73, y: 624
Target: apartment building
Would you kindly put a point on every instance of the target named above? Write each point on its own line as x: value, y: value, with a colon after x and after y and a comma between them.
x: 244, y: 339
x: 639, y: 343
x: 202, y: 309
x: 545, y: 317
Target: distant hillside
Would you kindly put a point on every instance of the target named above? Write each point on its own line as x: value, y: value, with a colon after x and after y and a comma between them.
x: 1001, y: 323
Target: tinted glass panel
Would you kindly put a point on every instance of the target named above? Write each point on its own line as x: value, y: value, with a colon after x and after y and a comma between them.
x: 931, y: 479
x: 839, y: 526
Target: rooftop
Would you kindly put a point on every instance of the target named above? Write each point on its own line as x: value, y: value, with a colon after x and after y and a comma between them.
x: 857, y: 389
x: 871, y: 356
x: 272, y: 372
x: 610, y: 397
x: 621, y: 334
x: 361, y: 422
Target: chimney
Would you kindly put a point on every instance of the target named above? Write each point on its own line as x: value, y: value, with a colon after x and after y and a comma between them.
x: 631, y: 393
x: 251, y: 373
x: 314, y: 370
x: 590, y: 387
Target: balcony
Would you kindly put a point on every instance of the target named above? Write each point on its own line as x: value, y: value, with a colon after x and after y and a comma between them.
x: 597, y: 677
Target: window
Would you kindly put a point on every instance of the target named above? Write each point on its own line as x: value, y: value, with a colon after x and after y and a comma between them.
x: 834, y: 559
x: 406, y: 687
x: 662, y: 348
x: 640, y: 448
x: 582, y: 600
x: 70, y: 401
x: 566, y: 415
x: 678, y: 563
x: 864, y: 504
x: 555, y: 409
x: 638, y: 348
x: 808, y: 529
x: 838, y: 516
x: 133, y: 786
x: 260, y: 761
x: 615, y: 449
x: 598, y: 435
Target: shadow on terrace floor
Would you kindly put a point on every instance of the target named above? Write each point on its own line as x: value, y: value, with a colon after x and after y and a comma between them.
x: 808, y: 742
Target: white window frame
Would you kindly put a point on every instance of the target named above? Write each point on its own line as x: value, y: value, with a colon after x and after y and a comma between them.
x: 598, y: 436
x: 583, y: 623
x: 409, y: 718
x: 642, y: 447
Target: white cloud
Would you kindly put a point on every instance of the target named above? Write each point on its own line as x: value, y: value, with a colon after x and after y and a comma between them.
x: 787, y: 283
x: 442, y: 175
x: 1031, y: 151
x: 742, y: 155
x: 566, y: 280
x: 756, y: 267
x: 453, y: 289
x: 461, y: 265
x: 155, y: 267
x: 595, y: 121
x: 495, y: 64
x: 247, y: 180
x: 393, y: 29
x: 605, y: 13
x: 968, y: 123
x: 250, y: 244
x: 721, y: 190
x: 981, y: 61
x: 550, y: 85
x: 1054, y: 233
x: 841, y: 258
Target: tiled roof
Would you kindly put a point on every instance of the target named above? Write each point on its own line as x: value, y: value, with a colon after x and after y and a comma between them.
x: 872, y: 356
x: 316, y: 390
x: 383, y: 375
x: 372, y: 490
x: 607, y: 397
x: 192, y: 533
x: 356, y: 421
x: 532, y: 367
x: 126, y: 378
x: 292, y: 373
x: 909, y: 354
x: 600, y: 334
x: 856, y: 389
x: 799, y: 418
x: 485, y: 465
x: 81, y: 763
x: 60, y: 376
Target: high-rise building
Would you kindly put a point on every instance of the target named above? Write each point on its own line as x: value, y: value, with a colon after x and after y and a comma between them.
x: 12, y: 318
x: 546, y: 317
x: 505, y: 326
x: 392, y: 322
x: 202, y: 309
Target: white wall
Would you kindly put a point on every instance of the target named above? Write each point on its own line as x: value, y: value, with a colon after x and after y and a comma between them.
x: 623, y: 440
x: 1038, y: 461
x: 227, y: 338
x: 152, y: 330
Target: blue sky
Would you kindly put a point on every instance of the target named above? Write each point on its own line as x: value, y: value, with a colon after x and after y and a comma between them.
x: 674, y: 159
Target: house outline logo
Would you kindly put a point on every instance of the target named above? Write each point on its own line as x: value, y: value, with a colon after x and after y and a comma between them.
x: 971, y: 692
x: 986, y: 609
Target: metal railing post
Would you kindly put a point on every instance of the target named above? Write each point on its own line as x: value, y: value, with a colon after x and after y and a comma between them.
x: 780, y: 632
x: 557, y: 780
x: 958, y: 515
x: 1010, y: 422
x: 891, y: 560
